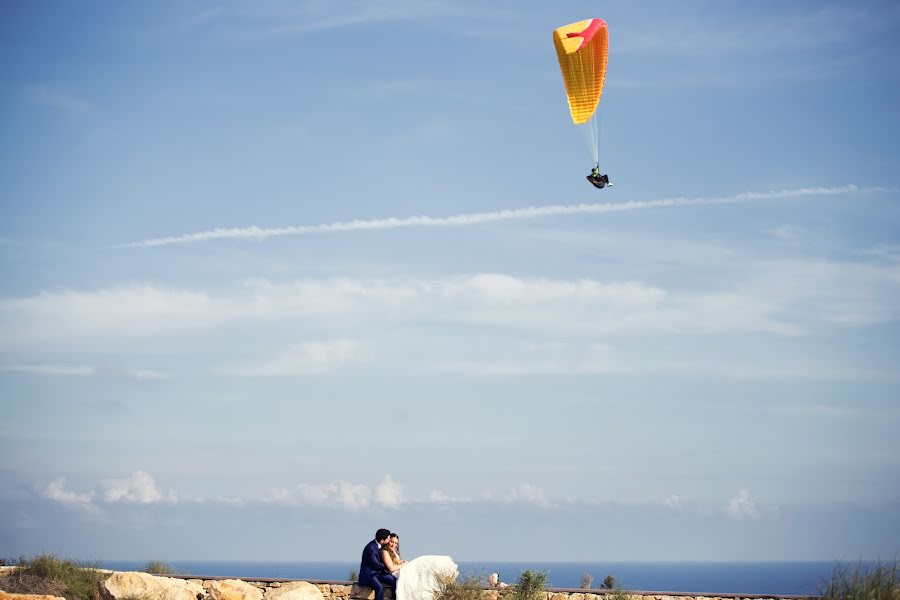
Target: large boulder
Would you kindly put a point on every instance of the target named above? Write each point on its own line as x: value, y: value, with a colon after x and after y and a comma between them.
x: 8, y: 596
x: 131, y: 583
x: 233, y: 589
x: 296, y: 590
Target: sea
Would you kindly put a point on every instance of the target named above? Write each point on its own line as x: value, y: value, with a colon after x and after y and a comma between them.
x: 781, y: 578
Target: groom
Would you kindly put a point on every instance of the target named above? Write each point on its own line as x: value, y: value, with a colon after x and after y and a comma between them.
x: 372, y: 571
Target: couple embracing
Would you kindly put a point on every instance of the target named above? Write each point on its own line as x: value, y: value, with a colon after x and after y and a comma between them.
x: 381, y: 567
x: 380, y: 563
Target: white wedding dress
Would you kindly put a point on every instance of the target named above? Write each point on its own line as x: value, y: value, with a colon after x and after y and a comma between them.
x: 417, y: 580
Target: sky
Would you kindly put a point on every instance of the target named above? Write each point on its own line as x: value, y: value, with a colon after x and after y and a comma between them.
x: 277, y: 274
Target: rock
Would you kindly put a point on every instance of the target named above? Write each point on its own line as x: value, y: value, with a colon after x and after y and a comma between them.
x: 8, y: 596
x: 361, y: 592
x: 297, y: 590
x: 233, y: 589
x: 121, y: 585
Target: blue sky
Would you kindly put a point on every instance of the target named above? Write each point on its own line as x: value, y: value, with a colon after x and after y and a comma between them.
x: 278, y: 274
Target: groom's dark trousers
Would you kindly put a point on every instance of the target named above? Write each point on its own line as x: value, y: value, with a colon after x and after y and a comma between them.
x: 372, y: 571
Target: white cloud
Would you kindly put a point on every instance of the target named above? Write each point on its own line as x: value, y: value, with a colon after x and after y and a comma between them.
x: 440, y: 497
x: 260, y: 233
x: 342, y: 494
x: 353, y: 496
x: 888, y: 252
x: 389, y: 493
x: 308, y: 358
x: 58, y: 370
x: 56, y: 491
x: 521, y: 494
x: 120, y: 311
x: 147, y: 374
x: 810, y: 30
x: 742, y: 506
x: 673, y: 502
x: 139, y: 487
x: 785, y: 233
x: 302, y: 17
x: 597, y: 319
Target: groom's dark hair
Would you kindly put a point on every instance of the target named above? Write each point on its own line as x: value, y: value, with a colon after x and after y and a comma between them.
x: 381, y: 534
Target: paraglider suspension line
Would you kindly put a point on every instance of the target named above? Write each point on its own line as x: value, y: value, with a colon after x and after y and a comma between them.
x: 589, y: 130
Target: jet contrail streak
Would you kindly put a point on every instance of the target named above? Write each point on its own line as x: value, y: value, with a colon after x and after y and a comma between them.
x: 260, y: 233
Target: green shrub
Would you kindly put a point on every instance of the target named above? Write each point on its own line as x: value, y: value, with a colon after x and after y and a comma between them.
x: 610, y: 582
x: 158, y: 567
x: 531, y: 584
x: 353, y: 576
x: 879, y: 581
x: 620, y: 594
x: 79, y: 581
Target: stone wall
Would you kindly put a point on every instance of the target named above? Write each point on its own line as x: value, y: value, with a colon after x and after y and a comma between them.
x: 347, y: 590
x: 123, y: 585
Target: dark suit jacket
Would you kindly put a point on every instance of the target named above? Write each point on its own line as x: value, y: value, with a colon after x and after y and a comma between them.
x: 371, y: 564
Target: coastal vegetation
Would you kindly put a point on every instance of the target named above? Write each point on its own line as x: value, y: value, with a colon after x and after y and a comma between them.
x: 586, y: 581
x: 54, y: 576
x: 158, y: 567
x: 459, y: 588
x: 877, y: 581
x: 530, y: 585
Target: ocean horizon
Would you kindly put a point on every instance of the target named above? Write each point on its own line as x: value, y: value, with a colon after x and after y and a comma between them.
x: 739, y: 577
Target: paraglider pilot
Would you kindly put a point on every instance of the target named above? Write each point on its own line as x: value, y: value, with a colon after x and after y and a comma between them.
x: 597, y: 180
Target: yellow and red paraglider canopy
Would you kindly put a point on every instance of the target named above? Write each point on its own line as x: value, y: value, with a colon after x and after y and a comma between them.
x: 582, y: 50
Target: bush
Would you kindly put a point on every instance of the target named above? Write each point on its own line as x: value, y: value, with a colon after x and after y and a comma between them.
x: 586, y: 580
x: 48, y: 574
x: 879, y: 581
x: 620, y: 594
x: 353, y: 576
x: 452, y: 588
x: 610, y: 582
x: 531, y: 584
x: 158, y: 567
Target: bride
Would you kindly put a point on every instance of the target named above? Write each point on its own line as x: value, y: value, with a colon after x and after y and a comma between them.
x: 390, y: 554
x: 417, y: 579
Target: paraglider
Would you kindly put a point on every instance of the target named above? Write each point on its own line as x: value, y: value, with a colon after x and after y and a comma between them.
x: 597, y: 180
x: 582, y: 50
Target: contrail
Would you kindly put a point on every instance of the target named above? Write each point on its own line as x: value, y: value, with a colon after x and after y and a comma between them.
x: 260, y: 233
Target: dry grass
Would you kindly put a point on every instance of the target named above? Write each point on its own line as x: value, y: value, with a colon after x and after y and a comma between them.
x: 158, y: 567
x: 452, y: 588
x: 50, y: 575
x: 879, y: 581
